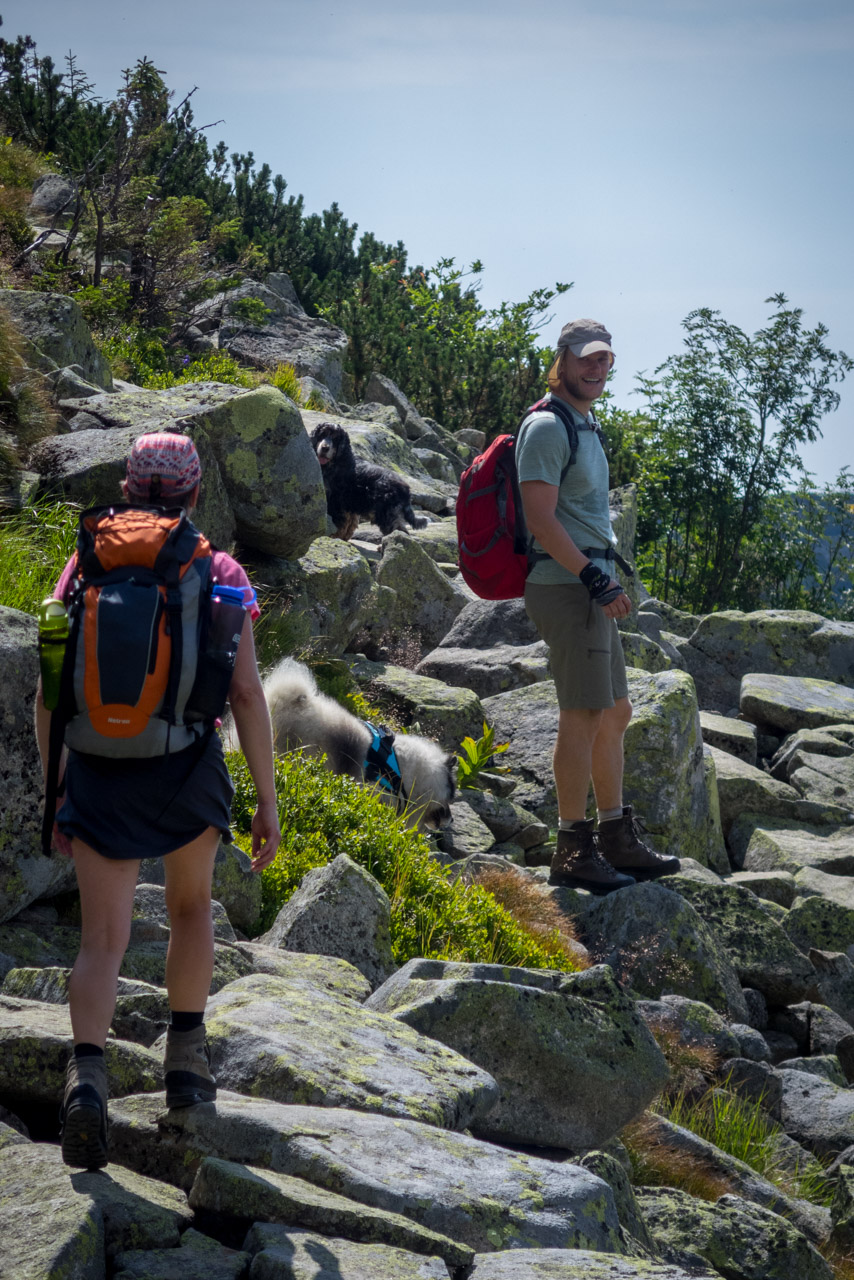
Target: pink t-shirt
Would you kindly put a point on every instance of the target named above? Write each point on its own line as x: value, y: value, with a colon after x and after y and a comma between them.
x: 224, y: 569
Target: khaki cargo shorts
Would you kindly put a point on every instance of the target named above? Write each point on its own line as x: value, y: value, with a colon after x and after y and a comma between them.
x: 585, y: 652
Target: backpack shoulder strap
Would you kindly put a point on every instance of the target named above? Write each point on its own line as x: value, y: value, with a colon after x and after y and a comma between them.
x: 565, y: 415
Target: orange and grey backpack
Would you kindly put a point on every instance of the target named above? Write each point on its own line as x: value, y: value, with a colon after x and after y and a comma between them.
x: 139, y: 609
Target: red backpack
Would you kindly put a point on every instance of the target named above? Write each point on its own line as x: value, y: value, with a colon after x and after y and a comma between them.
x: 493, y: 540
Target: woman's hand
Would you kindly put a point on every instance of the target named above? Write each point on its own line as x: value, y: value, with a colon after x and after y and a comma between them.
x: 265, y: 834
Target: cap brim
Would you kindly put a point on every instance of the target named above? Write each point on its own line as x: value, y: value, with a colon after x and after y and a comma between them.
x: 582, y: 349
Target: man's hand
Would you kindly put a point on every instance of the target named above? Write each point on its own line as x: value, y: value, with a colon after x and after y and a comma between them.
x: 620, y: 606
x: 605, y: 592
x: 265, y: 835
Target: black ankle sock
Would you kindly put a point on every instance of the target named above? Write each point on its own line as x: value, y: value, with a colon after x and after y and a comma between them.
x: 185, y: 1021
x: 87, y: 1051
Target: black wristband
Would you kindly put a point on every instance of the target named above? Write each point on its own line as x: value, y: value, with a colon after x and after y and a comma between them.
x: 594, y: 580
x: 599, y: 585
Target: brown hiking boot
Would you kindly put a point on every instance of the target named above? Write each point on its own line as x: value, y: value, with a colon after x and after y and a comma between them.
x: 186, y: 1068
x: 578, y: 864
x: 83, y: 1114
x: 620, y: 842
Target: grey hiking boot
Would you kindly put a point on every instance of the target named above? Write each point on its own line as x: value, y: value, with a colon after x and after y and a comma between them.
x: 578, y: 864
x: 187, y: 1068
x: 620, y: 842
x: 83, y: 1114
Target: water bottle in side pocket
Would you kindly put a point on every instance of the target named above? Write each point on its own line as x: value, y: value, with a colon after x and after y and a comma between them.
x: 53, y: 637
x: 217, y: 653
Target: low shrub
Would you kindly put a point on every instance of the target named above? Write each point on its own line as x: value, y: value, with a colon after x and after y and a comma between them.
x: 323, y: 815
x: 19, y: 168
x: 211, y: 366
x: 143, y: 357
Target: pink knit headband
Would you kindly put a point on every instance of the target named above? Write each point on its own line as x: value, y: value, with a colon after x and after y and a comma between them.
x: 163, y: 465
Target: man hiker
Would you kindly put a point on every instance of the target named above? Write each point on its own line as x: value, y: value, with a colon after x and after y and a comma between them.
x: 574, y: 601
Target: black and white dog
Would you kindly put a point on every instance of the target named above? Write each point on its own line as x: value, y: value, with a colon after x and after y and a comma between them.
x: 411, y: 773
x: 357, y: 489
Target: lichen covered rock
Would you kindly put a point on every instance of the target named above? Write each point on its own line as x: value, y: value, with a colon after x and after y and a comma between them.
x: 658, y: 944
x: 338, y: 910
x: 25, y: 873
x: 572, y: 1058
x: 473, y: 1192
x: 789, y: 703
x: 442, y: 712
x: 296, y: 1044
x: 734, y: 1236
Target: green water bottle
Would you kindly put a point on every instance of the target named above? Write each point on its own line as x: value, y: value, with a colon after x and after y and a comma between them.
x: 53, y: 635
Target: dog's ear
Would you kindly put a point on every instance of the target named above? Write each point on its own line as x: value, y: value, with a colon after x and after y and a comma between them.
x: 451, y: 766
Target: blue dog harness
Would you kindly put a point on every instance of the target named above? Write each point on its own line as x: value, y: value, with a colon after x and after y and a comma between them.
x: 381, y: 764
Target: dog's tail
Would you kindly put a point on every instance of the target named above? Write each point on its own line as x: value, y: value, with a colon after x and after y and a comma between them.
x: 289, y: 684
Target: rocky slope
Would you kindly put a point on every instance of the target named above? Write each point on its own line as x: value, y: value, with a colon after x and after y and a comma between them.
x: 442, y: 1119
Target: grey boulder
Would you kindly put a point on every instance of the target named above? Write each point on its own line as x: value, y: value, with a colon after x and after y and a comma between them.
x: 25, y: 873
x: 338, y: 910
x: 292, y: 1042
x: 488, y: 671
x: 658, y: 944
x: 732, y: 1235
x: 54, y: 324
x: 573, y: 1060
x: 788, y: 703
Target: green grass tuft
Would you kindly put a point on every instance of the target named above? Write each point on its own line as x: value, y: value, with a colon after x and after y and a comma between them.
x: 323, y: 815
x: 740, y: 1127
x: 286, y: 379
x: 35, y: 544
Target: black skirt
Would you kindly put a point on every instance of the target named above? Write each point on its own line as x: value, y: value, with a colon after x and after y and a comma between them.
x: 147, y: 808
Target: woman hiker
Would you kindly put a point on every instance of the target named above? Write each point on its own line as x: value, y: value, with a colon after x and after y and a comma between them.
x: 175, y: 806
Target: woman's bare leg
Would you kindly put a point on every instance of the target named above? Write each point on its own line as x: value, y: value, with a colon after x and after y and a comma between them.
x: 190, y: 958
x: 107, y: 887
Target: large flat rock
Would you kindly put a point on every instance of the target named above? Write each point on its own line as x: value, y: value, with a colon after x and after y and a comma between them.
x: 294, y: 1043
x: 225, y: 1189
x: 789, y: 703
x: 304, y: 1255
x: 761, y: 843
x: 742, y: 788
x: 471, y: 1191
x: 576, y: 1264
x: 35, y: 1045
x: 50, y: 1213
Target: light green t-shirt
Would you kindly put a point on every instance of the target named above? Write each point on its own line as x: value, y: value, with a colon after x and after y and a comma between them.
x: 542, y: 452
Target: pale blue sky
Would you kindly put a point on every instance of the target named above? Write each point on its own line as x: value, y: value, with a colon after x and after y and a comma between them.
x: 661, y: 154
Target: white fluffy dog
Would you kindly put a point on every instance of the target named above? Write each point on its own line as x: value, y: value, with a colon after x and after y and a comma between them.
x: 306, y: 719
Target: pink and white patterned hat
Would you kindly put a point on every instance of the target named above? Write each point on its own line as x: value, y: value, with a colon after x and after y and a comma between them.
x: 162, y: 465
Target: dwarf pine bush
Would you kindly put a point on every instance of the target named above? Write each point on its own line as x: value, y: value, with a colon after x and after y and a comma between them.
x: 323, y: 815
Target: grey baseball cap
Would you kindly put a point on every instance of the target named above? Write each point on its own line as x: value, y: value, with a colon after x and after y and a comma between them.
x: 584, y: 338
